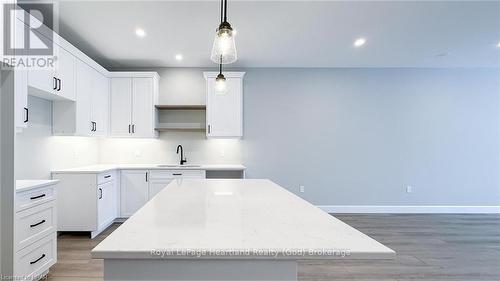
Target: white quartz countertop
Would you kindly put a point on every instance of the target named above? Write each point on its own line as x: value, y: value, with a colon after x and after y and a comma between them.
x: 233, y: 218
x: 23, y: 185
x: 100, y: 168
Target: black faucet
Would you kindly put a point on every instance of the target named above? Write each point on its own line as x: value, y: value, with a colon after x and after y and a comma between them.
x: 183, y: 160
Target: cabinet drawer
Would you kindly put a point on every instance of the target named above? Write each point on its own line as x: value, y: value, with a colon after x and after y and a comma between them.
x: 172, y: 174
x: 36, y: 258
x: 30, y: 198
x: 106, y: 177
x: 35, y: 223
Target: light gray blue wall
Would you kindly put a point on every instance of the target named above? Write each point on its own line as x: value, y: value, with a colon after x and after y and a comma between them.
x: 360, y: 136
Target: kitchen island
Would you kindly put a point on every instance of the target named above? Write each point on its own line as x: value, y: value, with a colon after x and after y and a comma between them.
x: 230, y: 229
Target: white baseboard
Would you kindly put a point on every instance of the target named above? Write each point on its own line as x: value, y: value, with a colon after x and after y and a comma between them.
x: 411, y: 209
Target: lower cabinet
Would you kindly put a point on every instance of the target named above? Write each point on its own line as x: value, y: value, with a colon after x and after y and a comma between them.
x: 155, y: 186
x: 35, y: 241
x: 139, y: 186
x: 98, y: 192
x: 133, y: 190
x: 107, y: 204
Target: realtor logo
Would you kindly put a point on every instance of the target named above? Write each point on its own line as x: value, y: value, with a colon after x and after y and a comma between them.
x: 28, y: 30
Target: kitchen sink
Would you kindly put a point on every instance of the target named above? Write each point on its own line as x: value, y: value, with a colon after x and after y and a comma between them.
x: 179, y: 166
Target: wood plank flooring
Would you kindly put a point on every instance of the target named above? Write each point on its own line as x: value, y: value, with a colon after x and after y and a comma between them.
x: 430, y: 247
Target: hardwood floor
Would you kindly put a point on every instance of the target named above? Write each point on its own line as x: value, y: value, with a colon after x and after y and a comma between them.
x: 430, y: 247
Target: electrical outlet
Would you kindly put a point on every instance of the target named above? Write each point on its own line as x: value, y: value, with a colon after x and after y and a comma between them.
x: 302, y: 189
x: 409, y: 189
x: 222, y: 153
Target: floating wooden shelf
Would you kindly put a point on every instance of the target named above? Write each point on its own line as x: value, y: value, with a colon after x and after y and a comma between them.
x: 180, y: 127
x: 181, y: 107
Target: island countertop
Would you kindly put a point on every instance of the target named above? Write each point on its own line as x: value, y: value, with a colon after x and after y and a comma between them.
x: 234, y: 218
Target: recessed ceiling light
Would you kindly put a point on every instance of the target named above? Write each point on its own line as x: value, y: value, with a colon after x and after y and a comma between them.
x: 178, y: 57
x: 140, y: 32
x: 498, y: 45
x: 359, y: 42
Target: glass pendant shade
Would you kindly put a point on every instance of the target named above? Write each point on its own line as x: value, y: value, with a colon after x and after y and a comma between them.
x: 220, y: 84
x: 224, y: 45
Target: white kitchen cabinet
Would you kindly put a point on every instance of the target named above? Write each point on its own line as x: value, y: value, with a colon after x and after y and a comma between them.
x: 133, y: 191
x: 21, y: 101
x: 225, y: 110
x: 84, y: 77
x: 132, y: 111
x: 65, y: 74
x: 97, y: 192
x: 143, y: 110
x: 99, y: 109
x: 121, y: 107
x: 20, y: 80
x: 88, y: 116
x: 35, y: 221
x: 57, y: 83
x: 156, y: 186
x: 159, y: 179
x: 107, y: 204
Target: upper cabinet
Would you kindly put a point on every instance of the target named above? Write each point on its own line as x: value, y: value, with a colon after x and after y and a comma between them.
x: 57, y: 83
x: 88, y: 116
x: 225, y: 110
x: 133, y: 99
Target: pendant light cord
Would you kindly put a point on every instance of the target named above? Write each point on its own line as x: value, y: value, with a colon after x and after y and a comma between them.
x: 221, y: 10
x: 220, y: 65
x: 225, y: 10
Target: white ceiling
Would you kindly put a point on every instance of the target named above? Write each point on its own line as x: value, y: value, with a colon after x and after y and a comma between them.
x: 288, y: 33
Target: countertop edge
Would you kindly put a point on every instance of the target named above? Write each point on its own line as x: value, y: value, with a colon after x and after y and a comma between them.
x: 41, y: 183
x: 148, y: 256
x: 221, y: 167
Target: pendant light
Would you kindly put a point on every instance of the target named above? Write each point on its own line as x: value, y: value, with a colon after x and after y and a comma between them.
x: 224, y: 46
x: 220, y: 81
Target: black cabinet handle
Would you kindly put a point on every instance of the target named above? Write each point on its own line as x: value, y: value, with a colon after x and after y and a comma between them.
x: 129, y: 128
x: 177, y: 174
x: 209, y: 129
x: 146, y: 176
x: 37, y: 260
x: 133, y: 128
x: 95, y: 126
x: 107, y: 177
x: 60, y: 84
x: 100, y: 195
x: 54, y: 83
x: 37, y: 197
x: 36, y: 224
x: 27, y: 115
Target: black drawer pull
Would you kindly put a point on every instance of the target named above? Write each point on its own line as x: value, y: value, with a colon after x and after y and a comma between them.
x: 107, y: 177
x: 37, y: 260
x: 36, y: 224
x: 37, y: 197
x: 177, y: 174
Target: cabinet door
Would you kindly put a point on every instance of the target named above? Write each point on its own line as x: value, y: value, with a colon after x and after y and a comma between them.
x: 65, y: 72
x: 20, y: 78
x: 134, y: 191
x: 156, y: 186
x: 84, y: 96
x: 142, y: 107
x: 21, y: 93
x: 224, y: 111
x: 100, y: 104
x: 42, y: 79
x: 121, y: 106
x: 107, y: 204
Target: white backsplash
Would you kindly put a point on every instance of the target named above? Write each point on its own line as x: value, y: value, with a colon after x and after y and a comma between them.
x: 197, y: 149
